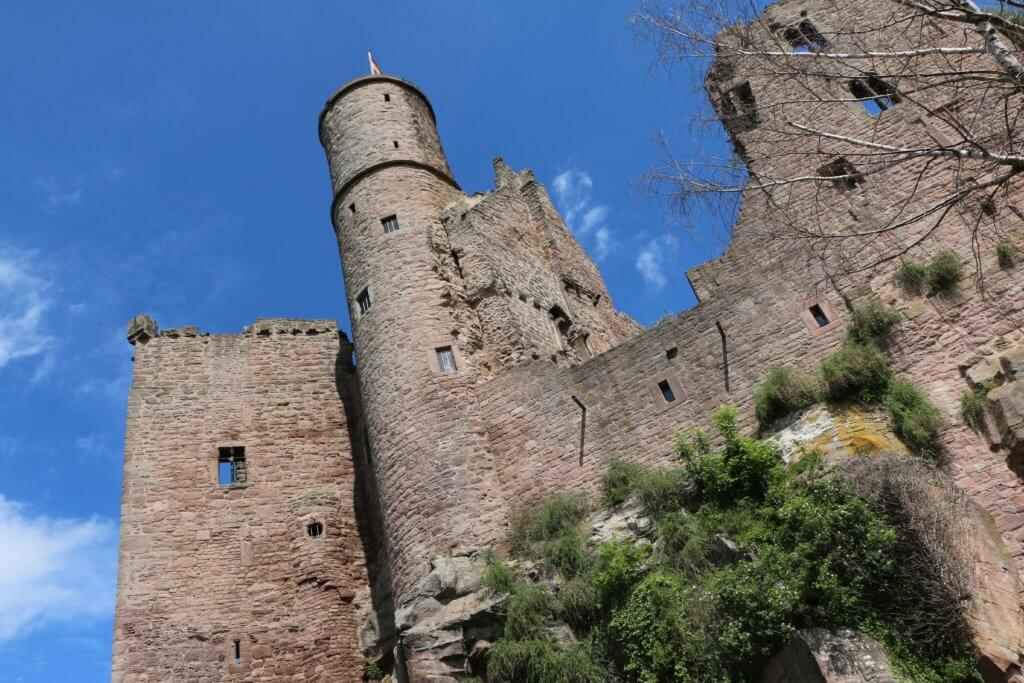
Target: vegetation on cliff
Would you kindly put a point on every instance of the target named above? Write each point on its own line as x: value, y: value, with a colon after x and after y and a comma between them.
x: 746, y: 551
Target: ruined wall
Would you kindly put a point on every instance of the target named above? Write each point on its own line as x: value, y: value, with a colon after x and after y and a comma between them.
x: 204, y: 565
x: 755, y: 300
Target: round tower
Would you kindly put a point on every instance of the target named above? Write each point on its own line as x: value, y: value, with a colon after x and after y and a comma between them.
x: 428, y: 448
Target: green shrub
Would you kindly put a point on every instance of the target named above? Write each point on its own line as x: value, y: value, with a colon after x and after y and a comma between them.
x: 373, y: 672
x: 541, y: 661
x: 912, y: 276
x: 498, y: 576
x: 944, y: 273
x: 689, y: 446
x: 973, y: 405
x: 530, y: 608
x: 785, y: 390
x: 1006, y: 255
x: 916, y: 420
x: 872, y: 322
x: 616, y: 568
x: 620, y: 481
x: 857, y: 372
x: 552, y: 533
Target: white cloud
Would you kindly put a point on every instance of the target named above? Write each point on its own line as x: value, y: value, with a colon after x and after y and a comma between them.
x: 58, y: 194
x: 585, y: 217
x: 650, y: 264
x: 24, y: 299
x: 53, y: 569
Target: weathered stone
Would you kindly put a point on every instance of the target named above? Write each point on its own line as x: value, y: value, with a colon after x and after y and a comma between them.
x: 141, y: 329
x: 627, y: 521
x: 820, y: 656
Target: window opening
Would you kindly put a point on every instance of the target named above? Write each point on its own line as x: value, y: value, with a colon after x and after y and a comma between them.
x: 819, y: 315
x: 666, y: 391
x: 842, y: 173
x: 231, y: 465
x: 446, y: 360
x: 672, y: 353
x: 352, y: 207
x: 238, y: 652
x: 387, y: 97
x: 314, y: 529
x: 363, y: 301
x: 395, y: 143
x: 390, y: 224
x: 874, y: 93
x: 740, y: 107
x: 805, y: 37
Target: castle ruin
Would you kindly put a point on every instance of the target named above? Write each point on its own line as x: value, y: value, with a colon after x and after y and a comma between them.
x: 283, y: 483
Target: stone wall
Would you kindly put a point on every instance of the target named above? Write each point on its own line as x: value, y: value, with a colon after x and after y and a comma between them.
x: 204, y: 565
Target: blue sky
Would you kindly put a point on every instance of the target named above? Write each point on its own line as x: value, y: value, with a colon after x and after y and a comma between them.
x: 163, y: 157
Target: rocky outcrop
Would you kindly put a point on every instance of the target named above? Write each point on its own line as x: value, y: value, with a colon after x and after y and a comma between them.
x: 820, y: 656
x: 999, y: 376
x: 847, y: 430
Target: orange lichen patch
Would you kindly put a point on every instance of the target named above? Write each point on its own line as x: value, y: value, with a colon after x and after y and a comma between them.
x: 845, y: 430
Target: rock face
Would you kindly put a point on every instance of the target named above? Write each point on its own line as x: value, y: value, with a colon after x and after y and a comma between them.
x: 820, y: 656
x: 831, y: 431
x: 1000, y: 377
x: 447, y: 621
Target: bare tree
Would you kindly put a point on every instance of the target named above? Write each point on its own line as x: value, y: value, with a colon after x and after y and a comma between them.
x: 862, y: 127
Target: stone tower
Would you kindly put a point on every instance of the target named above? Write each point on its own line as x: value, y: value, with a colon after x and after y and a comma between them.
x: 427, y: 442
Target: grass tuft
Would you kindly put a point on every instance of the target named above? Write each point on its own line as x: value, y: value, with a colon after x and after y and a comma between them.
x: 785, y: 390
x: 944, y: 273
x: 916, y: 420
x: 872, y: 322
x: 1006, y: 255
x: 856, y: 372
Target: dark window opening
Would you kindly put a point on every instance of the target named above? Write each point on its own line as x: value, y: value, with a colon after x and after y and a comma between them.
x: 666, y: 391
x: 363, y: 301
x: 740, y: 108
x: 446, y: 360
x: 352, y: 207
x: 874, y: 93
x: 842, y: 173
x: 805, y: 37
x: 314, y: 529
x: 556, y: 312
x: 672, y: 353
x: 819, y: 315
x: 395, y: 143
x: 238, y: 652
x: 988, y: 207
x: 387, y: 97
x: 231, y: 465
x: 390, y: 224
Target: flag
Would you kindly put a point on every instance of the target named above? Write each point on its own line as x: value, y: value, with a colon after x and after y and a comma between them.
x: 374, y: 68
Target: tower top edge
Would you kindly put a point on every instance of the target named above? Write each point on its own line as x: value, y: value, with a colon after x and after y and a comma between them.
x: 366, y: 80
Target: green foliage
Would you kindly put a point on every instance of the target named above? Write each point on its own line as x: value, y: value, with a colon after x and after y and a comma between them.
x: 620, y: 481
x: 373, y: 672
x: 856, y: 372
x: 552, y: 533
x: 973, y: 405
x: 541, y: 661
x: 872, y: 322
x: 912, y: 276
x: 1006, y: 255
x: 785, y: 390
x: 498, y: 576
x: 944, y: 273
x: 916, y: 420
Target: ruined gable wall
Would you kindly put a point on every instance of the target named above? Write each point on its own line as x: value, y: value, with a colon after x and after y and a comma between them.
x: 202, y: 565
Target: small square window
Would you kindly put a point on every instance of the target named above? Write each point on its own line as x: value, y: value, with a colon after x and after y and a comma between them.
x: 314, y: 529
x: 387, y: 97
x: 805, y: 37
x: 395, y: 143
x: 739, y: 107
x: 819, y: 315
x: 446, y: 360
x: 363, y: 300
x: 390, y: 224
x: 666, y: 391
x: 231, y: 465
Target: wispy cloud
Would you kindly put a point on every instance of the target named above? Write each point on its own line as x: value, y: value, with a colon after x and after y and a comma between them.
x: 24, y: 300
x: 582, y: 213
x: 53, y: 569
x: 57, y: 195
x: 650, y: 264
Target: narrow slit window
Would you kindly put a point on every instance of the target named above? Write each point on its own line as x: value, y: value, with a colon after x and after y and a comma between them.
x: 231, y: 465
x: 238, y: 652
x: 352, y: 207
x: 446, y: 360
x: 666, y: 391
x: 819, y: 315
x: 314, y: 529
x: 387, y: 97
x: 363, y: 301
x: 395, y: 143
x: 390, y: 224
x: 805, y: 37
x: 842, y: 173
